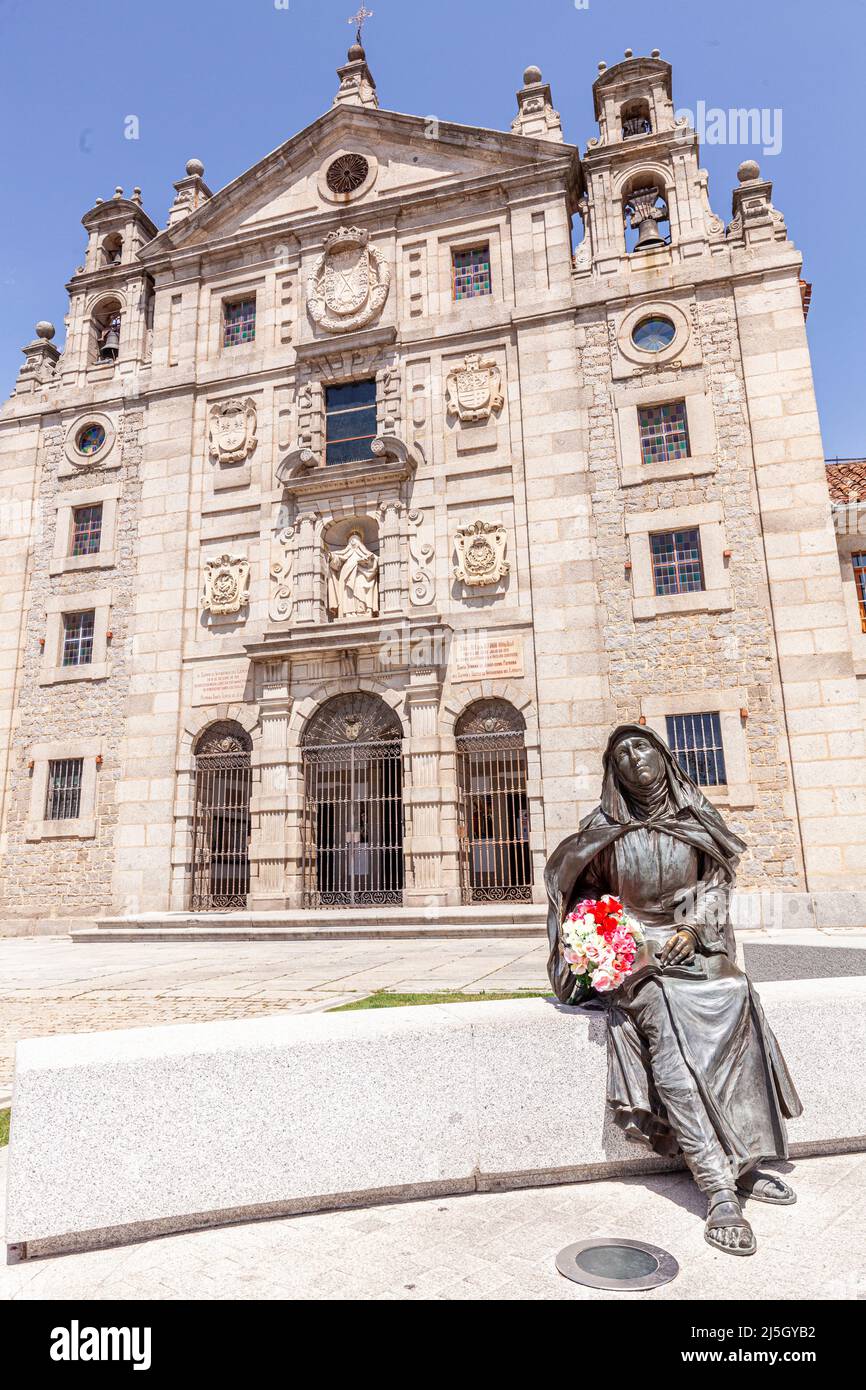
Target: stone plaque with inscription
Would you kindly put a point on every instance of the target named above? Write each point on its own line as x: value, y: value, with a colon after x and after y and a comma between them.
x: 220, y: 685
x: 479, y: 657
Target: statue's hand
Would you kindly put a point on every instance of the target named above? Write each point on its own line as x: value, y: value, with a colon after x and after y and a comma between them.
x: 678, y: 949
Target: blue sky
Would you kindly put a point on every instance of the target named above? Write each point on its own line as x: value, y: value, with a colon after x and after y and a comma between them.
x: 229, y: 80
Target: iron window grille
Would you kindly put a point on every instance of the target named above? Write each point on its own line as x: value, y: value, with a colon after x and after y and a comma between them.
x: 677, y: 562
x: 696, y: 742
x: 664, y: 432
x: 470, y: 272
x: 78, y: 638
x: 859, y: 563
x: 239, y: 322
x: 87, y: 530
x: 63, y: 798
x: 350, y: 421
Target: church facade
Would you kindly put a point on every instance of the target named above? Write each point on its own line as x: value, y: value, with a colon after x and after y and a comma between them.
x: 365, y: 497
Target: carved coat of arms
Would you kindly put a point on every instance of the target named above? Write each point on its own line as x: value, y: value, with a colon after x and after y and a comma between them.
x: 349, y: 282
x: 226, y: 584
x: 480, y: 553
x: 473, y: 390
x: 232, y: 430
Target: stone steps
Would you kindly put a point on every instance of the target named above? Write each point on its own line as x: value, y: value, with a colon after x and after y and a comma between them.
x: 340, y: 924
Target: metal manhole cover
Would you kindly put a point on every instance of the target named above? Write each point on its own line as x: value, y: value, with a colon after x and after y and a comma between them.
x: 621, y: 1264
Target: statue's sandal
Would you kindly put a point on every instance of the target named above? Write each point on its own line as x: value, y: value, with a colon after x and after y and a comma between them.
x: 717, y: 1221
x: 750, y: 1186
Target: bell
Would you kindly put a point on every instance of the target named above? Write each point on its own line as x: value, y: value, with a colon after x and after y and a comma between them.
x: 110, y: 344
x: 645, y: 215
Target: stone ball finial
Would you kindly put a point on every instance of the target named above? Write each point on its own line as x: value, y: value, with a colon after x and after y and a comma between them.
x: 748, y: 170
x: 118, y: 192
x: 629, y: 53
x: 356, y: 54
x: 602, y: 67
x: 45, y: 330
x: 656, y: 53
x: 98, y: 201
x: 531, y: 74
x: 194, y: 168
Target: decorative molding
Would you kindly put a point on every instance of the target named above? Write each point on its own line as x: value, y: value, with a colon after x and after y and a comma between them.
x: 282, y: 568
x: 480, y: 554
x: 349, y: 283
x: 226, y: 584
x: 421, y: 553
x: 232, y: 430
x: 473, y: 389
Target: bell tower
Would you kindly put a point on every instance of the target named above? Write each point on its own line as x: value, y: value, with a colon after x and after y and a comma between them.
x: 646, y: 200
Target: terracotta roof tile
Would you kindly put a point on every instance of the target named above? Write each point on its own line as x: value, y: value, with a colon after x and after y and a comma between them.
x: 847, y: 480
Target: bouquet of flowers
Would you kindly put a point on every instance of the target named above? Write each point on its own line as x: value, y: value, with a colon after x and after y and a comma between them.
x: 600, y: 943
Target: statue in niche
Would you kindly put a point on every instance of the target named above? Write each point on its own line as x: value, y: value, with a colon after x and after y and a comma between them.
x: 693, y: 1066
x: 353, y: 580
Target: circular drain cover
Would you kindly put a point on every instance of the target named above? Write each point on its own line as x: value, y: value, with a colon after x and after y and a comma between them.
x: 617, y: 1264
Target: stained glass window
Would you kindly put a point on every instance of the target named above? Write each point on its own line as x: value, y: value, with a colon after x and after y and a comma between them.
x: 90, y: 440
x: 859, y: 563
x: 664, y: 432
x: 471, y: 272
x: 653, y: 334
x: 78, y: 638
x: 239, y: 322
x: 86, y: 530
x: 350, y: 416
x: 696, y: 742
x: 63, y: 801
x: 677, y: 565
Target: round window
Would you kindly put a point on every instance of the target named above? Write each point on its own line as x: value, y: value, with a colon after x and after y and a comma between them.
x: 347, y: 173
x: 90, y: 440
x: 653, y: 334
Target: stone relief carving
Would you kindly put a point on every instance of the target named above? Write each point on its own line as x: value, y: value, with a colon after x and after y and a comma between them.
x: 480, y: 554
x: 232, y: 430
x: 282, y: 567
x: 353, y: 580
x: 349, y: 284
x: 226, y: 584
x: 473, y: 389
x: 583, y: 253
x: 420, y: 556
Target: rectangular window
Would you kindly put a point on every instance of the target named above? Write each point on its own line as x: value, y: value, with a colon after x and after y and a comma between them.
x: 350, y: 421
x: 677, y: 564
x: 471, y: 272
x: 63, y: 801
x: 239, y: 322
x: 78, y: 638
x: 696, y: 742
x: 86, y: 529
x: 859, y: 563
x: 664, y: 432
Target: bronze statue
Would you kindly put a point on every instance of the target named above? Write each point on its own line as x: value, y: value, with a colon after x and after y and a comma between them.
x: 693, y: 1066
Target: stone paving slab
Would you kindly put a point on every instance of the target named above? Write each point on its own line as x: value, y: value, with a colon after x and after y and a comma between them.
x: 486, y: 1246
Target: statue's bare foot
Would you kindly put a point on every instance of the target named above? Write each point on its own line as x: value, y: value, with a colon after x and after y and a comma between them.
x: 727, y: 1229
x: 766, y: 1187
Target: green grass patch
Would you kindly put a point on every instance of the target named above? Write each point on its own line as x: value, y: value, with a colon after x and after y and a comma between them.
x: 382, y: 999
x: 4, y: 1127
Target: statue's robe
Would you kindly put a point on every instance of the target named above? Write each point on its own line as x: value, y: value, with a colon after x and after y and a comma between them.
x: 655, y: 867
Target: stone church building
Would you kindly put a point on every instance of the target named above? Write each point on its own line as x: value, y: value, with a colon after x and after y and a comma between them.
x: 367, y: 495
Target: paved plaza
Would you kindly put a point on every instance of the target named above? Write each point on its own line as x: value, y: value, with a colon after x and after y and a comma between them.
x: 486, y: 1246
x: 53, y: 985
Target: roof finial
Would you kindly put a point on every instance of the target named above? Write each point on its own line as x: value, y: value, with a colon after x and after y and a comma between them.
x: 359, y: 20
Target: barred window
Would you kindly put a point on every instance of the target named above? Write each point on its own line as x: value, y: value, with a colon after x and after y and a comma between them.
x: 350, y: 421
x: 677, y: 564
x: 664, y: 432
x: 86, y: 529
x: 63, y: 799
x: 859, y: 563
x: 239, y: 322
x: 696, y: 742
x: 78, y: 638
x: 471, y: 272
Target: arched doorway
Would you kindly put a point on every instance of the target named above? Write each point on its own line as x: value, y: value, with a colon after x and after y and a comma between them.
x: 352, y: 824
x: 221, y: 820
x: 493, y: 811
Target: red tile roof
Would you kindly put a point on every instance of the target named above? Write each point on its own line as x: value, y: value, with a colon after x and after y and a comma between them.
x: 846, y: 479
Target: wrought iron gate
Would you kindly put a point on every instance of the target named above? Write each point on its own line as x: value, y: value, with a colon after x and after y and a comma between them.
x: 493, y: 812
x: 221, y: 820
x: 352, y: 825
